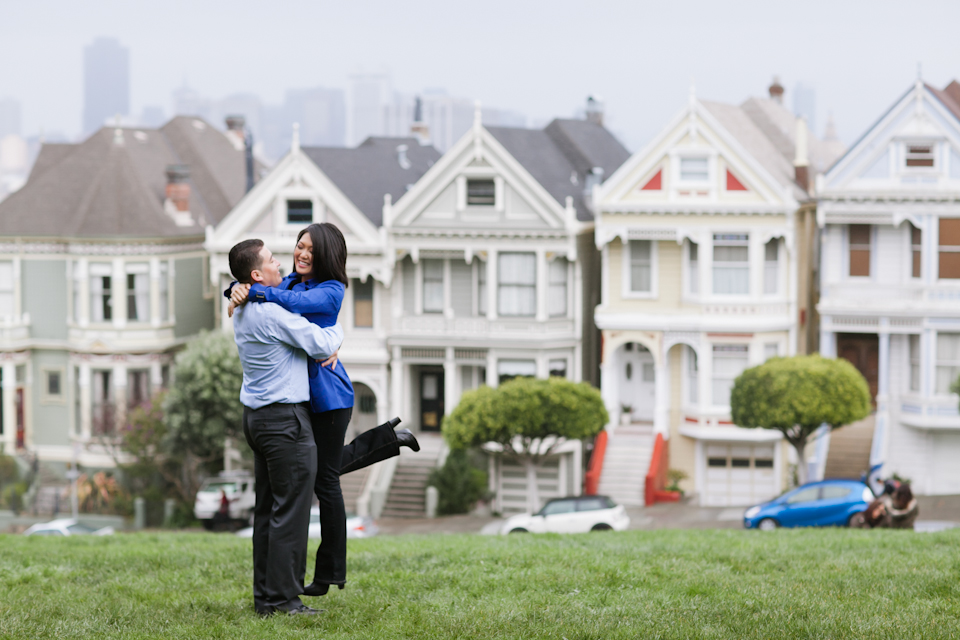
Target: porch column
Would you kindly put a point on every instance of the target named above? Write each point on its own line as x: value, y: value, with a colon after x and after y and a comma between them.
x: 828, y: 340
x: 451, y: 386
x: 878, y: 450
x: 609, y: 388
x: 492, y: 378
x: 661, y: 409
x: 83, y: 385
x: 396, y: 384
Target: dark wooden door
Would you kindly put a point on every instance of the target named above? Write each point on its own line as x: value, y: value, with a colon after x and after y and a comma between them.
x: 431, y: 400
x: 862, y: 350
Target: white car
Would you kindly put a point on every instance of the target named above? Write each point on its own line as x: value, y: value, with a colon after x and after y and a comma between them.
x: 571, y: 515
x: 357, y: 526
x: 239, y: 488
x: 66, y: 527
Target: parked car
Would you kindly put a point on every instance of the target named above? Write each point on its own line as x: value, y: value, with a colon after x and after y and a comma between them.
x: 571, y: 515
x: 815, y: 504
x: 238, y: 486
x: 66, y: 527
x: 357, y: 526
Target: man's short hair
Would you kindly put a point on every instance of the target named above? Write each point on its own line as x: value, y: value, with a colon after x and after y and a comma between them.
x: 244, y: 258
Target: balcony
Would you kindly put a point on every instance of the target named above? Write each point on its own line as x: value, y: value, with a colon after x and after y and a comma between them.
x: 14, y: 329
x: 435, y: 326
x: 883, y: 298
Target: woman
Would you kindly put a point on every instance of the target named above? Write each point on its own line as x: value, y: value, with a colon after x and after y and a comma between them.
x: 315, y: 289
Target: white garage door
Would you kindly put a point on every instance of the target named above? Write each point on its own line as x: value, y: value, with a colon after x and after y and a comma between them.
x: 738, y: 475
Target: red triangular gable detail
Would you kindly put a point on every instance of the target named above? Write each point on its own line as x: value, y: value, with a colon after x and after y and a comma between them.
x: 654, y: 183
x: 733, y: 184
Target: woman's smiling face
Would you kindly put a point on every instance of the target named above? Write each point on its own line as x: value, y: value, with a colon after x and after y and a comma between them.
x: 303, y: 256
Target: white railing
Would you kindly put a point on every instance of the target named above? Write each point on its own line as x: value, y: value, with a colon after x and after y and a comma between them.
x: 471, y: 327
x: 939, y: 412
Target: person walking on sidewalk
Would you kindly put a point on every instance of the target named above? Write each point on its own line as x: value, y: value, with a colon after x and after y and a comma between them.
x: 273, y: 345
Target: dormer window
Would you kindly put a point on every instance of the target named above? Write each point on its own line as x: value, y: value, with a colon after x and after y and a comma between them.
x: 299, y: 211
x: 920, y: 155
x: 481, y: 193
x: 694, y: 170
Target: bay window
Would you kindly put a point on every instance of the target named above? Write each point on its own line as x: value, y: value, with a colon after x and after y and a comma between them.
x: 557, y: 297
x: 731, y: 264
x: 481, y: 287
x: 164, y: 290
x: 6, y: 289
x: 641, y: 266
x: 859, y: 249
x: 914, y: 363
x: 517, y: 289
x: 433, y: 286
x: 138, y: 290
x: 101, y: 302
x: 948, y: 361
x: 363, y: 302
x: 771, y: 267
x: 949, y: 248
x: 694, y: 270
x: 729, y: 361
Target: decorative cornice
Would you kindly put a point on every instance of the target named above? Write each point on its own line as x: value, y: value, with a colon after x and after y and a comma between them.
x: 100, y: 249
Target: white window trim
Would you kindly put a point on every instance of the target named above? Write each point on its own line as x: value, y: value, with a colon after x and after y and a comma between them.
x: 752, y: 260
x: 710, y: 185
x: 724, y: 408
x: 625, y: 291
x: 686, y: 269
x: 781, y: 247
x: 280, y: 223
x: 351, y: 306
x: 935, y: 150
x: 45, y: 397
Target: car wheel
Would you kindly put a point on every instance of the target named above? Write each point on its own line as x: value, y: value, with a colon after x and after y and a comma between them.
x: 519, y: 530
x: 768, y: 524
x: 601, y: 527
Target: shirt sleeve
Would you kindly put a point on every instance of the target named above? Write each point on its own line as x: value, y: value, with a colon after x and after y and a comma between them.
x: 229, y: 289
x: 317, y: 300
x: 297, y: 331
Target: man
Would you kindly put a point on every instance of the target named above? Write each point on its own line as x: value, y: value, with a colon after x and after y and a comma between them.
x: 274, y: 345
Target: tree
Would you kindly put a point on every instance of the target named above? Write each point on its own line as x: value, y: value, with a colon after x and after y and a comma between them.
x: 203, y: 407
x: 528, y: 418
x: 796, y: 395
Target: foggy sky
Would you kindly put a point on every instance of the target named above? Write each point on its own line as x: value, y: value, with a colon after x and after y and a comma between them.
x: 541, y: 58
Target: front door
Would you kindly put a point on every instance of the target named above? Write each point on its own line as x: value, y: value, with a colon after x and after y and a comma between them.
x: 637, y: 382
x: 431, y: 400
x: 862, y: 350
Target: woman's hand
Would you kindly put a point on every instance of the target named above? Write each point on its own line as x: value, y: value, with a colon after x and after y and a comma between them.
x: 239, y: 294
x: 331, y: 361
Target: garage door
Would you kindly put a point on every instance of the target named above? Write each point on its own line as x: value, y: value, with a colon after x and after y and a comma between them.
x: 738, y: 475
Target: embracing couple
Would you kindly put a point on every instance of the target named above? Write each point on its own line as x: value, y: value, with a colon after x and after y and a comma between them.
x: 296, y: 412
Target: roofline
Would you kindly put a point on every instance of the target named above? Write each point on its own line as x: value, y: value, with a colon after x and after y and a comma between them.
x: 867, y: 131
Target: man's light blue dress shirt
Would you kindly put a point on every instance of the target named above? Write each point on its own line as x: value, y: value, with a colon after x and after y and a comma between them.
x: 274, y: 345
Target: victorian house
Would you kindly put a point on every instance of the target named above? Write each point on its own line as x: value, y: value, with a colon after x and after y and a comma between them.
x: 103, y: 275
x: 465, y: 269
x: 707, y: 235
x: 890, y: 295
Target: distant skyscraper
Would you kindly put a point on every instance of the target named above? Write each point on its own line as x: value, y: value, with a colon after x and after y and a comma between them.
x: 805, y: 104
x: 368, y: 97
x: 106, y: 82
x: 9, y: 117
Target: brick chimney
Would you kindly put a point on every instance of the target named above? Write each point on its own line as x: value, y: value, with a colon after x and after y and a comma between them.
x: 776, y: 90
x: 178, y: 187
x: 594, y: 111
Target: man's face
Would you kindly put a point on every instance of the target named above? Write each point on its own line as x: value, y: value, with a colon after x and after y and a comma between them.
x: 269, y: 272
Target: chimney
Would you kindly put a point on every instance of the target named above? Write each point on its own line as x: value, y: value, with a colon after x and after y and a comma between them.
x: 801, y: 166
x: 178, y: 187
x: 419, y: 128
x: 235, y: 126
x: 594, y: 110
x: 776, y: 90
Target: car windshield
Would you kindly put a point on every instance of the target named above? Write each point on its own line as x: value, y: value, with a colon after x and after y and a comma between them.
x: 558, y: 506
x: 217, y: 485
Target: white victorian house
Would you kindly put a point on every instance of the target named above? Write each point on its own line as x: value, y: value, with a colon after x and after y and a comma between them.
x: 466, y: 269
x: 705, y: 235
x: 890, y: 293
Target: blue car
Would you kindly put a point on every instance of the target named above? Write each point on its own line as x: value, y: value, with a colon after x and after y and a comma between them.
x: 816, y: 504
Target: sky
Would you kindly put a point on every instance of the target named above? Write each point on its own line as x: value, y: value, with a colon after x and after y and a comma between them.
x: 539, y: 57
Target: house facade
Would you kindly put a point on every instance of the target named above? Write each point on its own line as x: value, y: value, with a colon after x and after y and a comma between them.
x: 890, y: 297
x: 465, y: 269
x: 705, y: 236
x: 103, y: 275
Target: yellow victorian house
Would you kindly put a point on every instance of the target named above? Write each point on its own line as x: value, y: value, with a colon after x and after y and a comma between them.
x: 706, y: 237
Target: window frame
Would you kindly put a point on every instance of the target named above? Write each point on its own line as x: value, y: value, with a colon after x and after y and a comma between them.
x: 484, y: 197
x: 914, y: 362
x: 772, y: 266
x: 355, y: 287
x: 137, y: 268
x: 943, y: 250
x: 425, y: 278
x: 681, y: 181
x: 626, y: 261
x: 916, y: 250
x: 693, y: 280
x: 730, y: 242
x: 104, y: 299
x: 286, y: 209
x: 45, y: 396
x: 12, y: 291
x: 740, y: 348
x: 848, y: 233
x: 553, y: 286
x: 940, y: 363
x: 501, y: 285
x: 911, y: 152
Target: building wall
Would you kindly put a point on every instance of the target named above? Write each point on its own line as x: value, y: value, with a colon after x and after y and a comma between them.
x: 193, y: 309
x: 682, y: 449
x: 51, y: 415
x: 45, y: 290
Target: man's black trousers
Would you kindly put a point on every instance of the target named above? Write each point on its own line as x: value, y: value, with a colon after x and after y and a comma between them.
x: 285, y: 467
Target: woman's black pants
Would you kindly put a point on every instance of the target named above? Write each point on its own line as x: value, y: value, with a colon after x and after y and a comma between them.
x: 333, y: 460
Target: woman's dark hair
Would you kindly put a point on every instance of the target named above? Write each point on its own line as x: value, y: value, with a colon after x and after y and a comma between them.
x: 329, y: 252
x: 903, y: 495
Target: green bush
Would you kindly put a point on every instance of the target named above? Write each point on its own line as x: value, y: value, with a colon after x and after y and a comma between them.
x: 459, y: 482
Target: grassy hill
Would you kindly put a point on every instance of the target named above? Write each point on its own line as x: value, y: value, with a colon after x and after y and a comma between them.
x: 832, y: 583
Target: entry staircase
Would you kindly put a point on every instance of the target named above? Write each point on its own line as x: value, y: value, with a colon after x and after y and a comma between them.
x: 849, y: 453
x: 352, y: 485
x: 626, y: 463
x: 407, y: 495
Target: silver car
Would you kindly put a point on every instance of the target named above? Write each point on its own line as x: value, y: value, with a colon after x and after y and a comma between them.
x: 66, y: 527
x: 571, y: 515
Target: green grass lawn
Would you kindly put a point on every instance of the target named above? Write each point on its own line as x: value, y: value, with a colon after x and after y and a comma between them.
x: 832, y: 583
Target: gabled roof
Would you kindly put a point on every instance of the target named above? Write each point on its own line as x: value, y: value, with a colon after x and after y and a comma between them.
x: 561, y: 156
x: 113, y: 184
x: 369, y: 171
x: 949, y: 96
